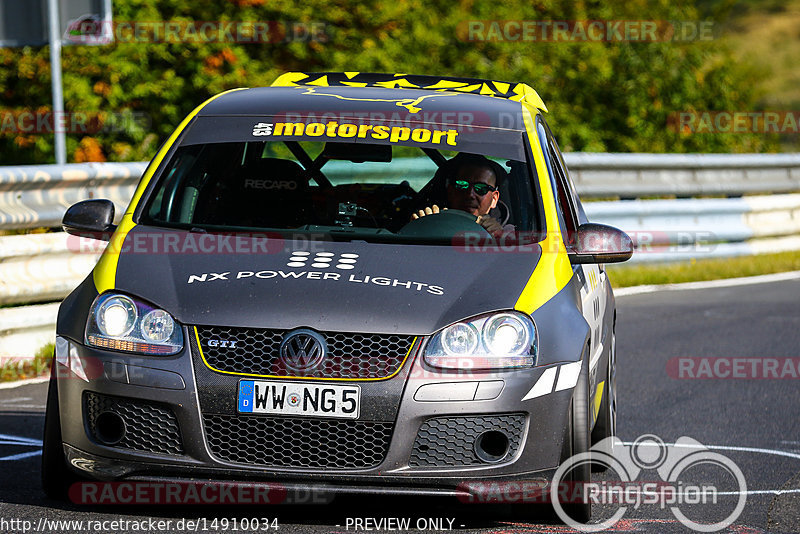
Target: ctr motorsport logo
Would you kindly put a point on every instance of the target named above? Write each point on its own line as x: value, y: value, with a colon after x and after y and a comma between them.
x: 323, y: 266
x: 336, y: 130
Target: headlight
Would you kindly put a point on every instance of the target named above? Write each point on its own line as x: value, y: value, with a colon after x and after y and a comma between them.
x: 116, y: 316
x: 120, y: 322
x: 504, y: 340
x: 460, y: 339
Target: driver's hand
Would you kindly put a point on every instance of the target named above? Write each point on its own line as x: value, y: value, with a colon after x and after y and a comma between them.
x: 427, y: 211
x: 490, y: 224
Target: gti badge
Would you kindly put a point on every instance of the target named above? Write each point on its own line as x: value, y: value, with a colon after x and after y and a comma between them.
x: 222, y: 343
x: 303, y: 349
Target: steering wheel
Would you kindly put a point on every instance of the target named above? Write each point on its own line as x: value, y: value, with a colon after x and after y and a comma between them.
x: 446, y: 224
x: 505, y: 212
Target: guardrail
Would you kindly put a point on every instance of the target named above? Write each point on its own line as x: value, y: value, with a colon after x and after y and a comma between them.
x: 37, y: 195
x: 682, y: 175
x: 682, y: 229
x: 40, y: 268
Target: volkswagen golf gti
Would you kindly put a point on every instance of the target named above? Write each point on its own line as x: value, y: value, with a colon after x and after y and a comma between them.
x: 350, y: 282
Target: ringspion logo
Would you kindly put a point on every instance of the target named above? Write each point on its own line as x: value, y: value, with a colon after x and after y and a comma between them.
x: 679, y: 487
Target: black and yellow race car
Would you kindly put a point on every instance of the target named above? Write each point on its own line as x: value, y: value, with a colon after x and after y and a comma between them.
x: 286, y: 299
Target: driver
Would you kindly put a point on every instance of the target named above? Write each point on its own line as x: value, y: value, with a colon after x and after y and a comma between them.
x: 472, y: 186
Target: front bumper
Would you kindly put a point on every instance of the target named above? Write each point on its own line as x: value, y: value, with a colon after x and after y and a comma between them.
x: 186, y: 388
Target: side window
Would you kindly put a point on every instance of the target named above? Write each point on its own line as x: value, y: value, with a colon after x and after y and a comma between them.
x: 570, y: 187
x: 565, y: 198
x: 566, y: 218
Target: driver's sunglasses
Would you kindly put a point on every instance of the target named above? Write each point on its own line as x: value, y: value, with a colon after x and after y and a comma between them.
x: 479, y: 187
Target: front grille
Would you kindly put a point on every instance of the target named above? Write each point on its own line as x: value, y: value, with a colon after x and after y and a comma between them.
x: 349, y: 355
x: 450, y: 441
x: 297, y: 442
x: 148, y: 426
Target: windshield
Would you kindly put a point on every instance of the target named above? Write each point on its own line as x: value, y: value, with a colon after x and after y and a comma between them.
x: 335, y: 190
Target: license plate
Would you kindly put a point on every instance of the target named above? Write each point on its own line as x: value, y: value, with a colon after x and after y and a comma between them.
x: 292, y: 398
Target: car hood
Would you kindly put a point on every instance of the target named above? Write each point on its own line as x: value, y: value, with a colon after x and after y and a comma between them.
x: 245, y: 281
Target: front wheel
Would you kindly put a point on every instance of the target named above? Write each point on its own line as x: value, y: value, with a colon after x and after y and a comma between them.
x: 577, y: 442
x: 56, y: 475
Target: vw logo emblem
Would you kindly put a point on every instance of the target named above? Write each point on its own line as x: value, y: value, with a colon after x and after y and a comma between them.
x: 303, y: 349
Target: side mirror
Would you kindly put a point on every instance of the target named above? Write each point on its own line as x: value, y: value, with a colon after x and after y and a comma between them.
x: 599, y: 243
x: 90, y: 218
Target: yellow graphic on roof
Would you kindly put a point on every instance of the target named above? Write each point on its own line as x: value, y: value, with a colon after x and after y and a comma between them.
x: 411, y: 104
x: 518, y: 92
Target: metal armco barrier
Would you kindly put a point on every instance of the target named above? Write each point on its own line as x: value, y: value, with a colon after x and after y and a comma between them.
x: 26, y: 329
x: 683, y: 175
x: 38, y: 195
x: 682, y: 229
x: 40, y: 267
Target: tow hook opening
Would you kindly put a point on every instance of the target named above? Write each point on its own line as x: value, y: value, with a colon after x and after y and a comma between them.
x: 492, y: 446
x: 109, y: 428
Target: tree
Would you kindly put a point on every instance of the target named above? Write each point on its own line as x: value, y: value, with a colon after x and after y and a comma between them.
x: 603, y: 96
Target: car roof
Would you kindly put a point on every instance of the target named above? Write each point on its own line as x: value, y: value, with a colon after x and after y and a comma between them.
x: 426, y: 98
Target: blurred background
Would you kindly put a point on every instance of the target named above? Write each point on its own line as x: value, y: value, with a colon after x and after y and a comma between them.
x: 603, y: 96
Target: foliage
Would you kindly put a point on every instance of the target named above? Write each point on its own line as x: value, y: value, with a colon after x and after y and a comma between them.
x: 603, y: 96
x: 39, y: 365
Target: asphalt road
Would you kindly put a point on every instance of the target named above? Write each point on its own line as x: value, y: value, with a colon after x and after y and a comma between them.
x: 669, y: 385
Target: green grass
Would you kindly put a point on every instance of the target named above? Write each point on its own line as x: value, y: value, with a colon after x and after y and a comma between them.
x: 696, y: 271
x: 38, y: 366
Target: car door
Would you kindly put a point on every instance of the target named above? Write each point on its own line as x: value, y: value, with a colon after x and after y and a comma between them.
x: 592, y: 277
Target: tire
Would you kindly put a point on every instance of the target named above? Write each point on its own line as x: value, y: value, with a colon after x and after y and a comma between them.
x: 578, y: 442
x: 56, y: 476
x: 606, y: 424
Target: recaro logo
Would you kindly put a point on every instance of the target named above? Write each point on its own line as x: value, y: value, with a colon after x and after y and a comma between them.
x: 269, y: 184
x: 323, y: 260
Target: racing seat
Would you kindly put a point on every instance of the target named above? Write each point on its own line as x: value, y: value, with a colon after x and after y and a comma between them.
x: 266, y: 193
x: 434, y: 192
